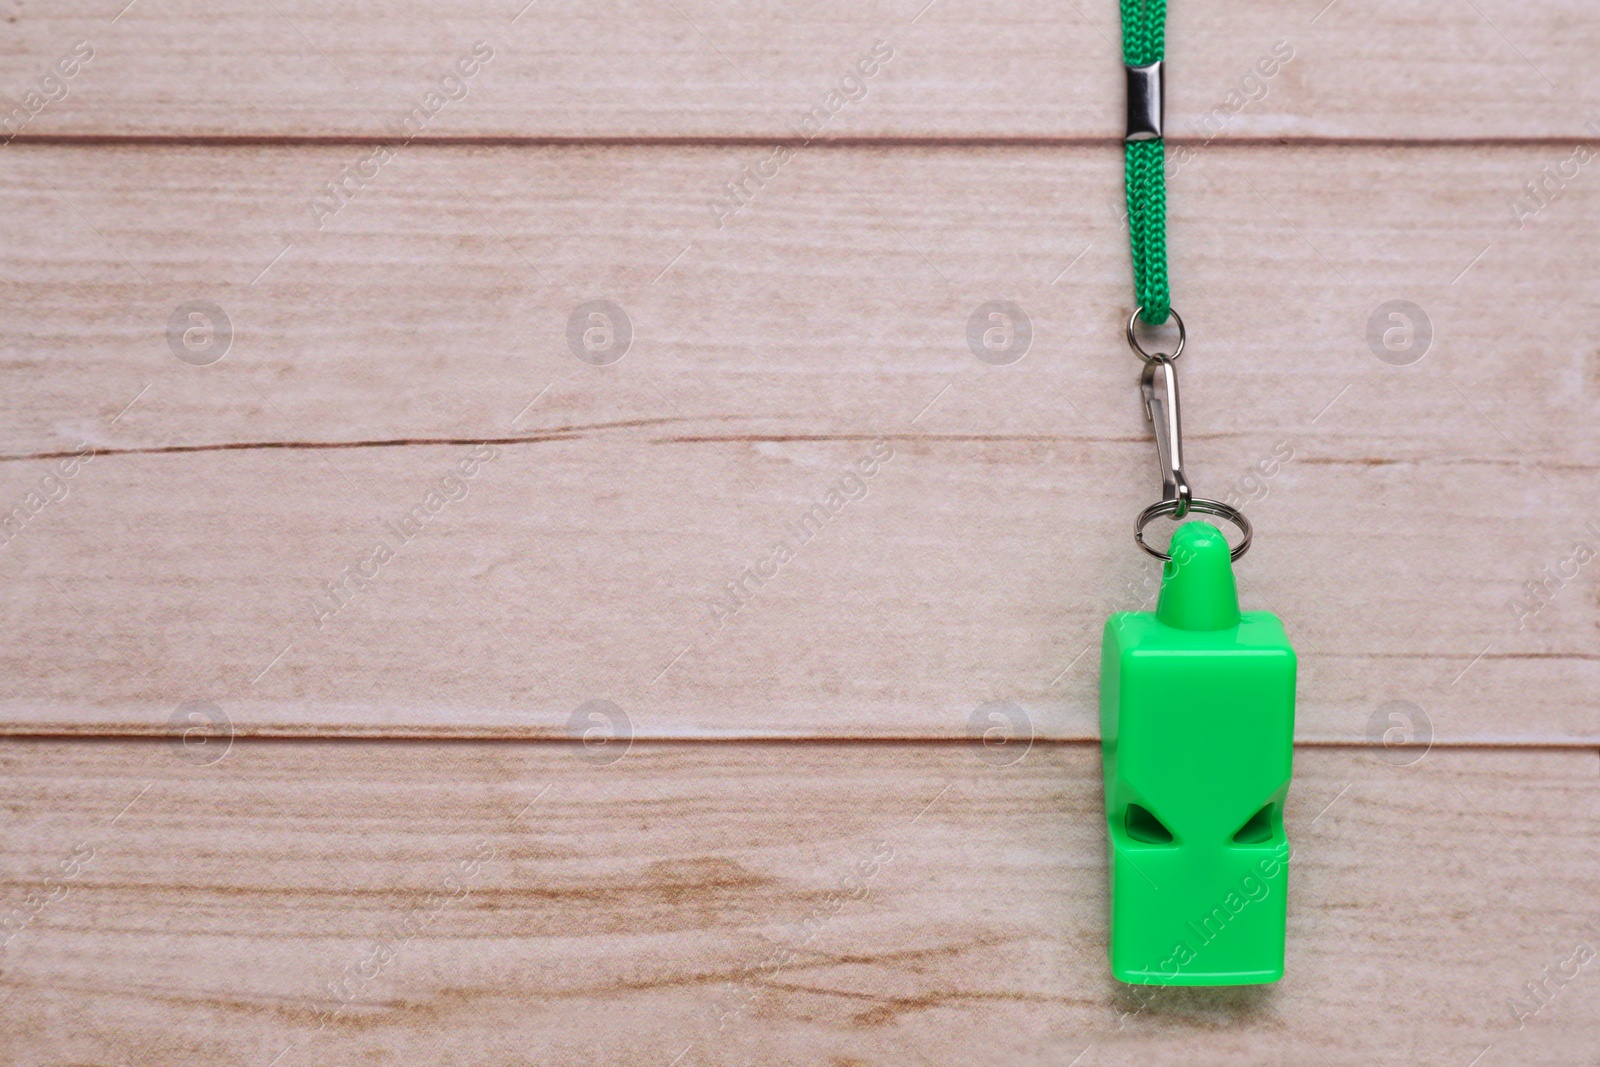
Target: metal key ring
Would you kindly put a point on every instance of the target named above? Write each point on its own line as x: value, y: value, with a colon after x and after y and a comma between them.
x: 1201, y: 507
x: 1151, y: 357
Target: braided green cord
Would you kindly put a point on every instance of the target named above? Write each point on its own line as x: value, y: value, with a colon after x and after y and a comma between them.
x: 1144, y: 31
x: 1147, y: 228
x: 1144, y: 42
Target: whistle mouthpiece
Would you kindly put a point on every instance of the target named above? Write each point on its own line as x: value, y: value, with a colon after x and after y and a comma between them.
x: 1197, y: 587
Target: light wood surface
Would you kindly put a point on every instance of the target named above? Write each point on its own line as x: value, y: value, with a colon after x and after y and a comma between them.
x: 768, y: 355
x: 624, y: 913
x: 579, y: 821
x: 690, y: 68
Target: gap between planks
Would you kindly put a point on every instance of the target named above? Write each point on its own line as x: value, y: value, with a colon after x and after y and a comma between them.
x: 94, y: 140
x: 578, y: 432
x: 278, y: 735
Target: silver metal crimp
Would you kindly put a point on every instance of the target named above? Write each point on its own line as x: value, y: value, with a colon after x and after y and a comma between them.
x: 1146, y: 102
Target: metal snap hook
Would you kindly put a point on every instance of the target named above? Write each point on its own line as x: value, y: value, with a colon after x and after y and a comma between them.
x: 1161, y: 411
x: 1158, y: 386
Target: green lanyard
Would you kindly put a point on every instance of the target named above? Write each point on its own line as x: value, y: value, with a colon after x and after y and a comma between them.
x: 1143, y: 43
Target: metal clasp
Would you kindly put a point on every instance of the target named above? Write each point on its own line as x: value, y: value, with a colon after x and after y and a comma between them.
x: 1161, y: 409
x: 1146, y: 102
x: 1158, y: 388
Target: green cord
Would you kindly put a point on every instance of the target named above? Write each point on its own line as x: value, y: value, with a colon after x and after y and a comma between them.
x: 1144, y: 42
x: 1144, y: 31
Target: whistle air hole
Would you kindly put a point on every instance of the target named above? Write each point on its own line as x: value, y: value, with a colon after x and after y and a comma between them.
x: 1257, y: 830
x: 1144, y: 827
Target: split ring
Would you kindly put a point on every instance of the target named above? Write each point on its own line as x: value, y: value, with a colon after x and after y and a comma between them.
x: 1151, y: 357
x: 1196, y: 507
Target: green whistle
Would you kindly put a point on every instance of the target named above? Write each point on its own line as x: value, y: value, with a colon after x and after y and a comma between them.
x: 1197, y: 731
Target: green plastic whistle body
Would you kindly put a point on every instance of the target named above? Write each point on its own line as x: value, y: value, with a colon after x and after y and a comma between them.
x: 1197, y: 733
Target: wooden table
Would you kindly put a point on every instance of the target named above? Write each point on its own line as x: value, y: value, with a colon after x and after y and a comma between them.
x: 401, y: 668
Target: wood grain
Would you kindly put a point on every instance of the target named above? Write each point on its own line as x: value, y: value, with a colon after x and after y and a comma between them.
x: 769, y: 355
x: 683, y: 901
x: 976, y: 69
x: 518, y: 795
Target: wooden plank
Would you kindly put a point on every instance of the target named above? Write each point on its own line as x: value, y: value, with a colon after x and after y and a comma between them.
x: 768, y: 356
x: 502, y: 903
x: 988, y: 68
